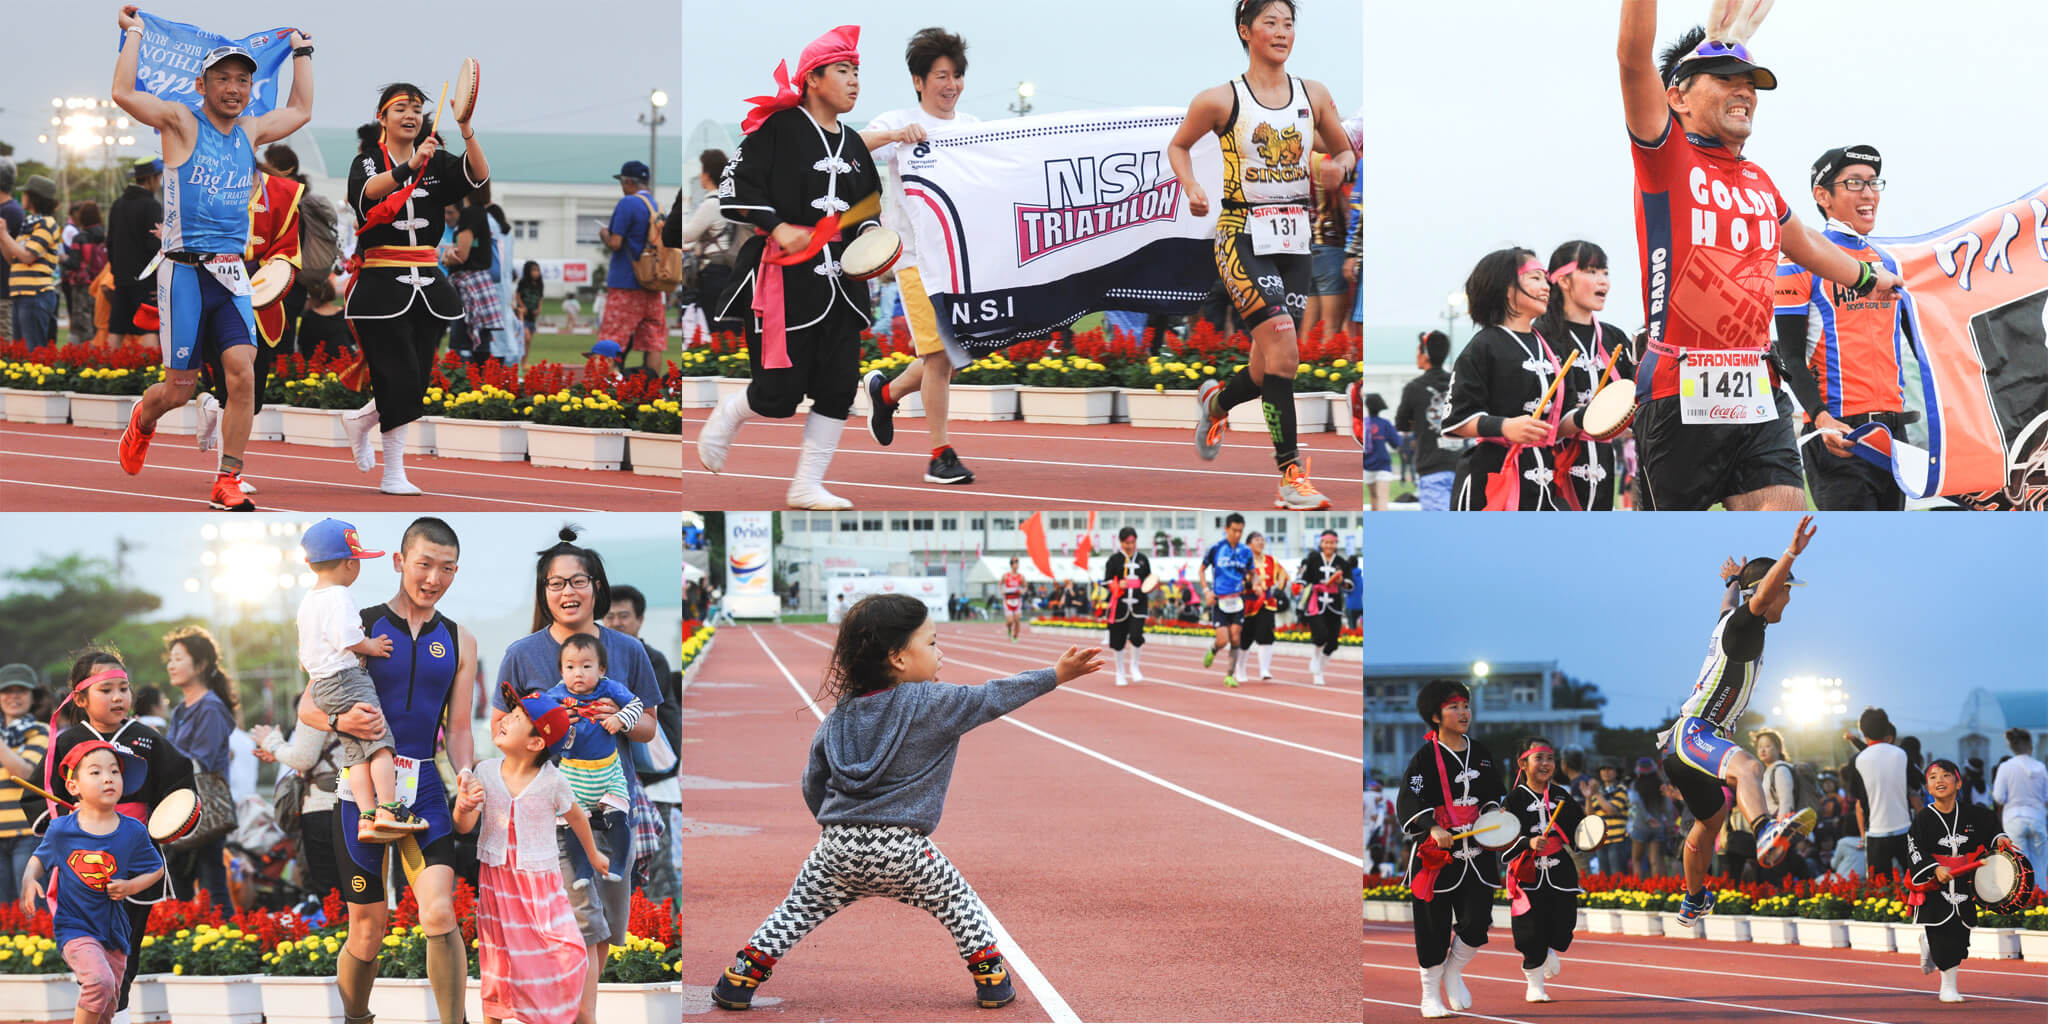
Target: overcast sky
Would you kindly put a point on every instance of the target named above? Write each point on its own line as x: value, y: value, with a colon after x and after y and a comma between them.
x: 1910, y: 611
x: 1498, y: 122
x: 546, y: 67
x: 1080, y: 55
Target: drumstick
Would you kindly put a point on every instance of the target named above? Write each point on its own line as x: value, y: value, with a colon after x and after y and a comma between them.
x: 437, y: 103
x: 6, y: 776
x: 1613, y: 360
x: 1554, y: 382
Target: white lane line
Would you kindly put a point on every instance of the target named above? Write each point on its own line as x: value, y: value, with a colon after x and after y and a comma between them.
x: 1151, y: 678
x: 925, y: 490
x: 1463, y: 1013
x: 1179, y: 441
x: 1909, y: 964
x: 1555, y: 984
x: 1150, y: 711
x: 1343, y: 673
x: 1049, y: 998
x: 1804, y: 980
x: 1192, y: 666
x: 11, y: 484
x: 1177, y: 471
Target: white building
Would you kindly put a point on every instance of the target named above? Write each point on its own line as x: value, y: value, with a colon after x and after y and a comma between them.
x: 1510, y: 696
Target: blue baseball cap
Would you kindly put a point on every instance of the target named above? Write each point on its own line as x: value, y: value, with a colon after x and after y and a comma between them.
x: 148, y: 168
x: 607, y: 348
x: 632, y: 170
x: 331, y: 539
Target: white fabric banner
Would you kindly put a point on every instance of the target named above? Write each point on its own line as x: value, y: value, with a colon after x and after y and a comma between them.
x: 1027, y: 224
x: 842, y: 591
x: 750, y: 566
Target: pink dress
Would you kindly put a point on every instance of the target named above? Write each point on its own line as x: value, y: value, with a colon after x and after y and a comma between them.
x: 531, y: 953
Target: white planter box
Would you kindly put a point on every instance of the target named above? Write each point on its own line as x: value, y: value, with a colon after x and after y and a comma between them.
x: 318, y: 428
x: 1774, y: 931
x: 655, y: 454
x: 1161, y: 410
x: 1402, y: 912
x: 102, y: 412
x: 1581, y: 926
x: 25, y: 406
x: 183, y: 421
x: 1726, y: 927
x: 1994, y: 943
x: 1340, y: 411
x: 731, y: 386
x: 1825, y: 934
x: 1503, y: 915
x: 230, y: 999
x: 405, y: 1001
x: 487, y: 440
x: 1375, y: 910
x: 1875, y: 936
x: 1638, y: 922
x: 982, y: 403
x: 1312, y: 413
x: 38, y: 998
x: 576, y: 447
x: 147, y: 1003
x: 473, y: 1002
x: 1674, y: 930
x: 2034, y: 946
x: 655, y: 1003
x: 267, y: 424
x: 1603, y: 921
x: 1071, y: 406
x: 699, y: 392
x: 419, y: 437
x: 301, y: 1001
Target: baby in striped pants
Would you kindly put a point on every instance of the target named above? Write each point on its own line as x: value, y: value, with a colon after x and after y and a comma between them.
x: 590, y: 761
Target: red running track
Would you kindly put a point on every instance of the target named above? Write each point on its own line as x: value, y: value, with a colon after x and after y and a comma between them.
x: 74, y: 468
x: 1212, y: 887
x: 1633, y: 978
x: 1110, y: 467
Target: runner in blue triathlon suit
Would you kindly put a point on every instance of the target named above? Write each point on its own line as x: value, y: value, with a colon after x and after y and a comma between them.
x: 1230, y: 559
x: 428, y: 679
x: 1700, y: 754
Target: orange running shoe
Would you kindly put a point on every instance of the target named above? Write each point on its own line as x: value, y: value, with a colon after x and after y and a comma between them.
x: 1297, y: 493
x: 228, y: 496
x: 134, y: 443
x: 1208, y: 425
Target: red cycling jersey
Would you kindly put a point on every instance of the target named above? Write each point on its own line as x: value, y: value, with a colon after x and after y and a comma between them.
x: 1707, y: 229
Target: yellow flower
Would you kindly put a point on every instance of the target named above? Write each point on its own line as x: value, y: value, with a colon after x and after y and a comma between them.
x: 390, y: 942
x: 177, y: 968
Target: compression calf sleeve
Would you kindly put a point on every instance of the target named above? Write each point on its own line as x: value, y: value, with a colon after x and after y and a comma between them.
x: 1239, y: 389
x: 1277, y: 397
x: 448, y: 971
x: 353, y: 977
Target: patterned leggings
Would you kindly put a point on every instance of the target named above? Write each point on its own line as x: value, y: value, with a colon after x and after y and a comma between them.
x: 855, y: 861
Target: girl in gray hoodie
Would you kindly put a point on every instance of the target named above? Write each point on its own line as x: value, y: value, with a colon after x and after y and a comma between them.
x: 877, y: 778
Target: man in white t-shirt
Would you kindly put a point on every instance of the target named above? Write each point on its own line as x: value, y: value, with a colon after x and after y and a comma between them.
x: 1882, y: 766
x: 938, y: 71
x: 2020, y: 788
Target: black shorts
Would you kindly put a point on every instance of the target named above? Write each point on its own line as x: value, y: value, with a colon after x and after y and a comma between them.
x: 1130, y: 627
x: 1702, y: 792
x: 129, y: 296
x: 1263, y: 287
x: 360, y: 884
x: 1688, y: 467
x: 1223, y: 618
x: 1258, y: 628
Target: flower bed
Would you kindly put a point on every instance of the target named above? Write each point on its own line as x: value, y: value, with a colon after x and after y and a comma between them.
x: 696, y: 638
x: 1286, y: 634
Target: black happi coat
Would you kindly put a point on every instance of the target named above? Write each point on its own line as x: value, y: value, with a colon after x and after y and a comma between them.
x: 1504, y: 373
x: 1135, y: 603
x: 791, y: 171
x: 381, y: 293
x: 1553, y: 870
x: 1316, y: 571
x: 1958, y: 834
x: 1592, y: 475
x: 1475, y: 782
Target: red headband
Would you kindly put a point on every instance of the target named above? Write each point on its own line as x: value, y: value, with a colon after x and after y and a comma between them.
x: 1558, y: 274
x: 842, y: 43
x: 1529, y: 265
x: 110, y: 673
x: 1535, y: 750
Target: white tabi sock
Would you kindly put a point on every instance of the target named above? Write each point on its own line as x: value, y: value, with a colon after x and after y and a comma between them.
x: 394, y: 463
x: 821, y: 442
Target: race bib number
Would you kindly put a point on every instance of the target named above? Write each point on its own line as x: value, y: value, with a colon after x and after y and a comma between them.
x: 1725, y: 387
x: 1230, y: 603
x: 231, y: 274
x: 1278, y: 230
x: 408, y: 771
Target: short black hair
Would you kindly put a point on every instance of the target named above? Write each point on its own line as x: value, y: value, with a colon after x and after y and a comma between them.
x: 928, y: 45
x: 41, y: 204
x: 432, y: 531
x: 1127, y: 533
x: 1233, y: 519
x: 1374, y: 404
x: 1430, y: 700
x: 1486, y: 289
x: 1248, y: 11
x: 1874, y: 723
x: 1434, y: 346
x: 1667, y: 61
x: 632, y: 596
x: 325, y: 564
x: 712, y: 163
x: 2019, y: 741
x: 583, y: 641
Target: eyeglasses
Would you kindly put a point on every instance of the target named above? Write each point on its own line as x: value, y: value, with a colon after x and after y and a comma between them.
x: 1859, y: 184
x: 557, y: 584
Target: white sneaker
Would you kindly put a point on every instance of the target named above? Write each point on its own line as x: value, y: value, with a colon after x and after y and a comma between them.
x: 208, y: 437
x: 1535, y: 994
x: 715, y: 440
x: 359, y: 424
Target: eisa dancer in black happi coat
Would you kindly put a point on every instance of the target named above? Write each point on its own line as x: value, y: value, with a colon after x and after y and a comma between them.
x: 1542, y: 880
x: 1449, y: 783
x: 798, y: 166
x: 1946, y: 835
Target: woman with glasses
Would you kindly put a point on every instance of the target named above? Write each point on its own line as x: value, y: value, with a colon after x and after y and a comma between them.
x: 1497, y: 386
x: 571, y: 596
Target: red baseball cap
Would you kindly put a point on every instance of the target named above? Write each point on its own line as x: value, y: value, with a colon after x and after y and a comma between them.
x: 134, y: 770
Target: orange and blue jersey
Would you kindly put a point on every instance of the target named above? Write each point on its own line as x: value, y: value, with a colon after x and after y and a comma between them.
x: 1852, y: 344
x: 1707, y: 229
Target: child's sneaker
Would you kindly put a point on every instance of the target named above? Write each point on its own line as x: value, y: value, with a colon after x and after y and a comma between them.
x: 735, y: 988
x: 992, y: 986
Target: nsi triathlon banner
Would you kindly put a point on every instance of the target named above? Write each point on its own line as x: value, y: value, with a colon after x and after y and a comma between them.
x: 172, y: 51
x: 1025, y: 225
x: 1976, y: 313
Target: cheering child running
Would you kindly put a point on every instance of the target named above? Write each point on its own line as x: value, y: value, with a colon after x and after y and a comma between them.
x: 523, y: 915
x: 880, y: 765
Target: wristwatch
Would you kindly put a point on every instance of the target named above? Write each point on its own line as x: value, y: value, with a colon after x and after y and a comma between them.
x: 333, y: 723
x: 302, y: 51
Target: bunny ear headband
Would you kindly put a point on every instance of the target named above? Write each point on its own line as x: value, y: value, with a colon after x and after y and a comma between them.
x: 1734, y: 21
x: 1725, y: 50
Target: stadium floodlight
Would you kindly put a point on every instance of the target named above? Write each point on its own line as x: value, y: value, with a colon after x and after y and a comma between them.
x: 1807, y: 700
x: 1481, y: 669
